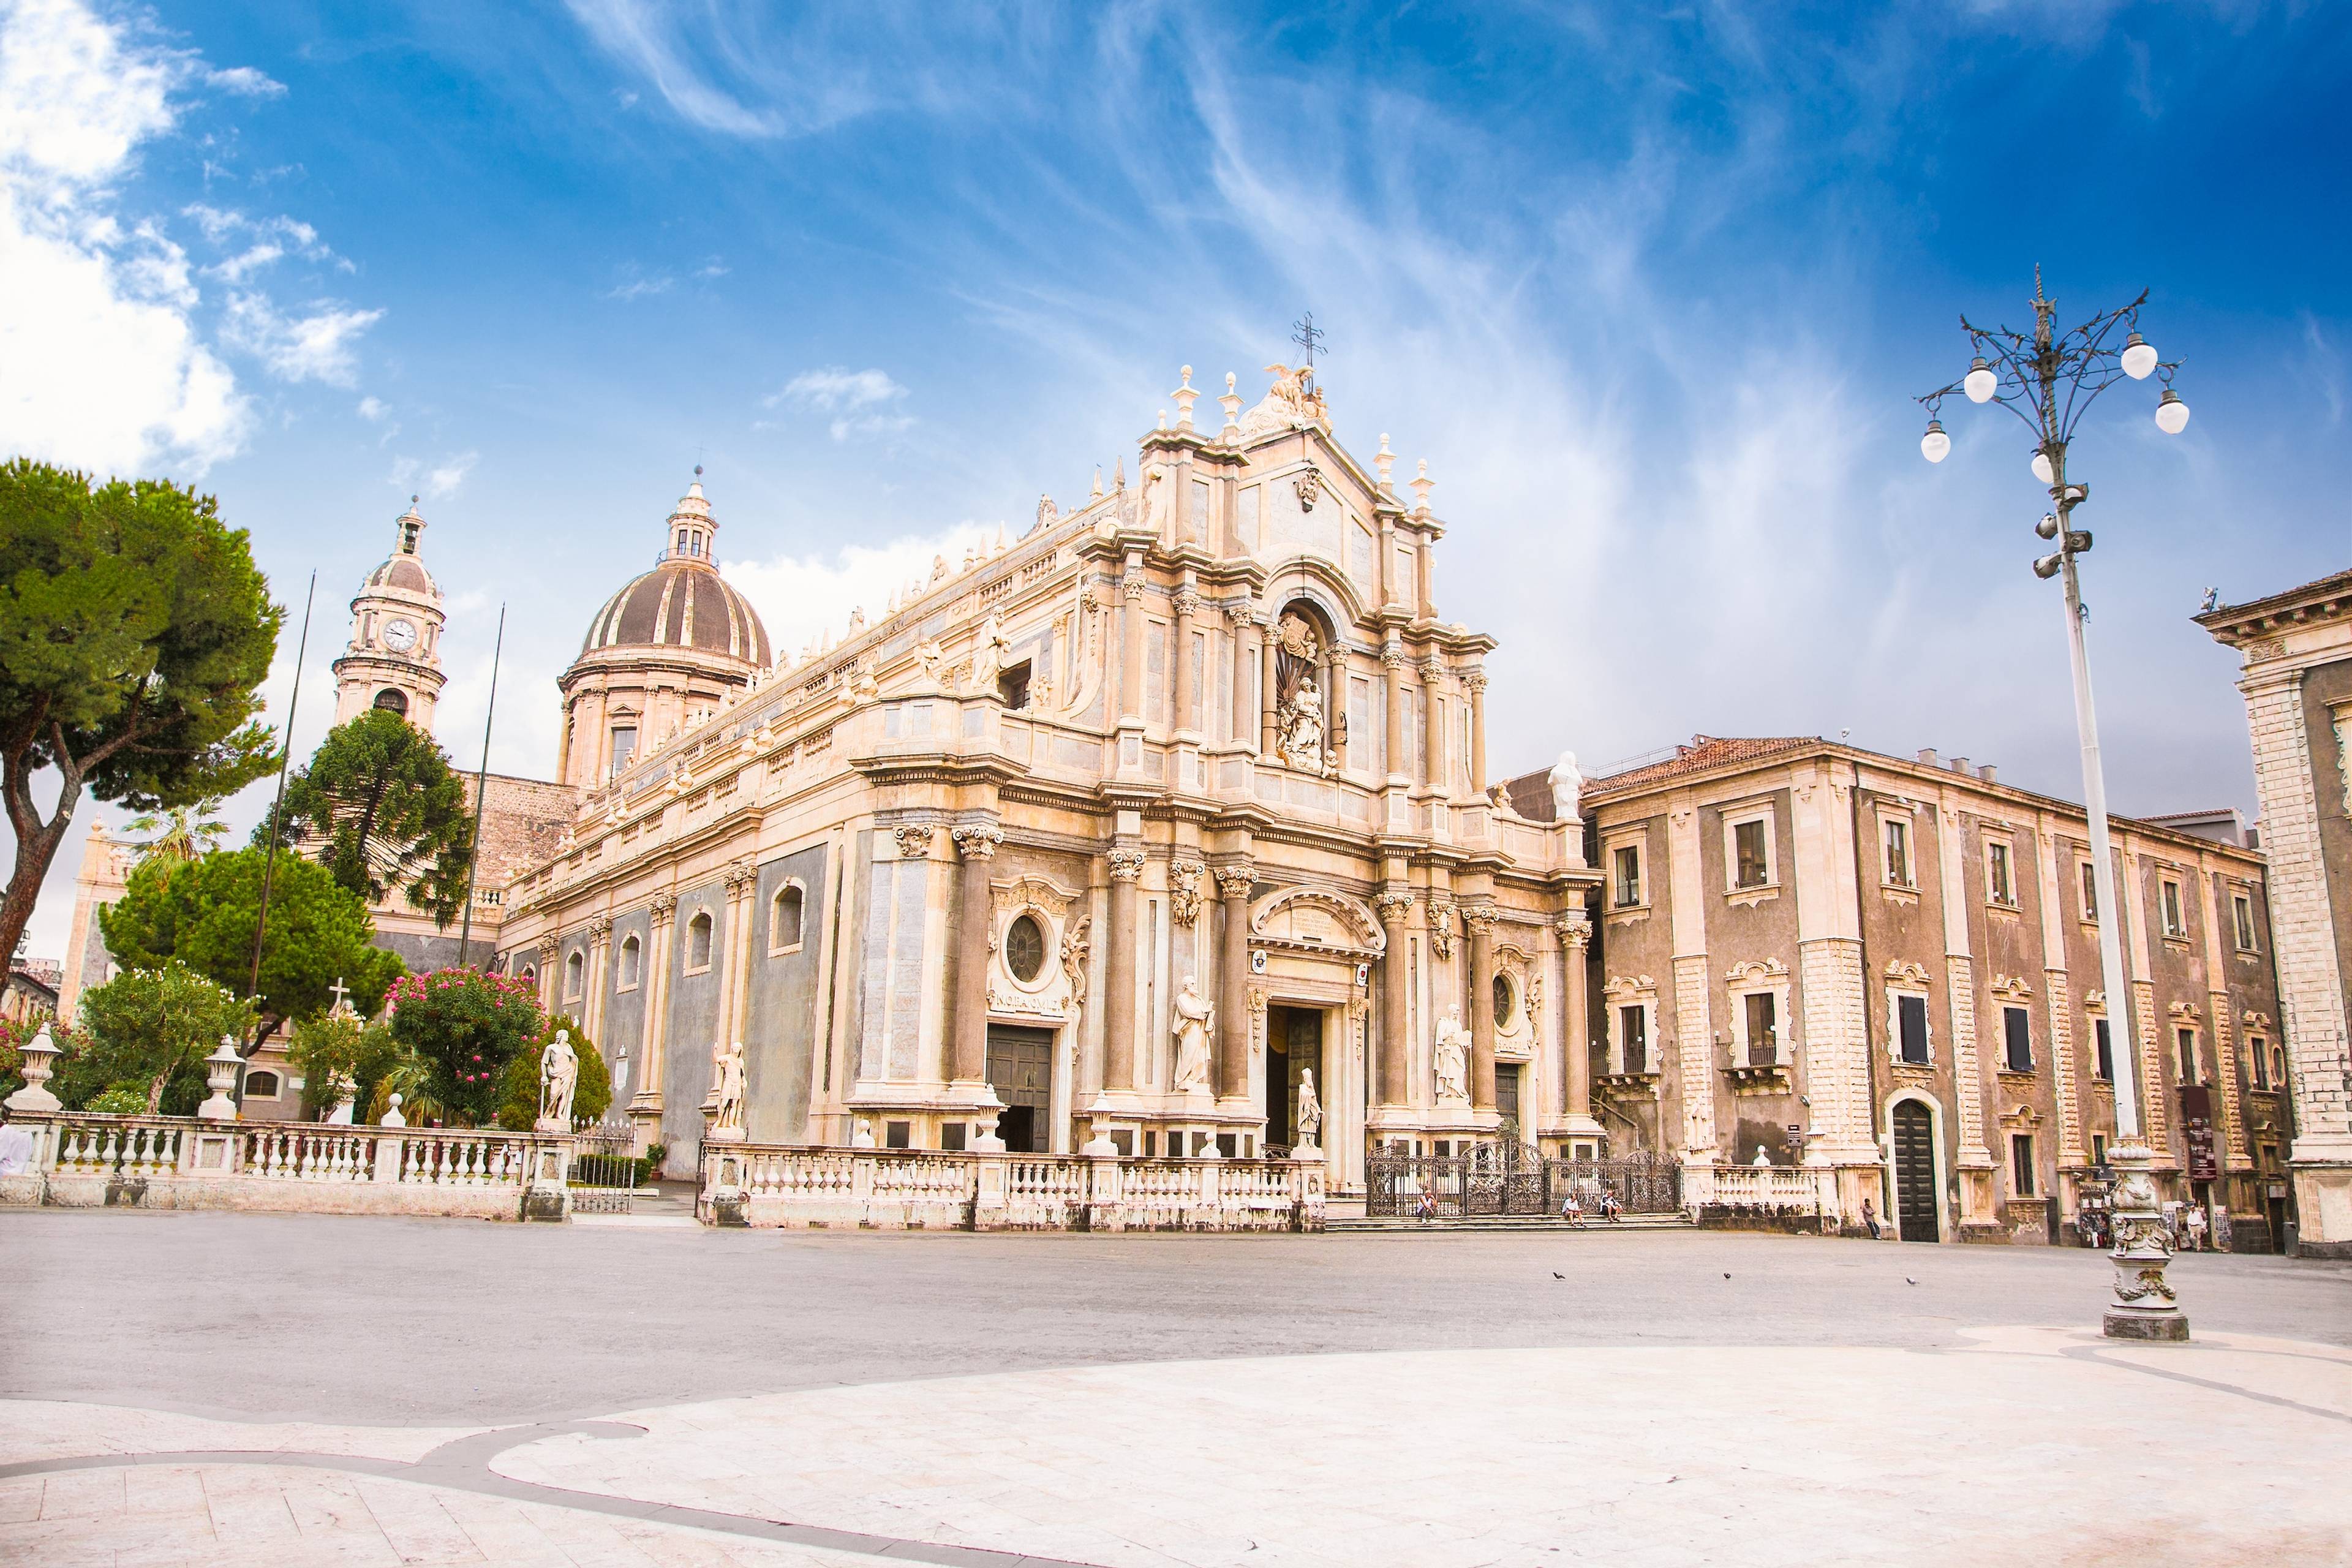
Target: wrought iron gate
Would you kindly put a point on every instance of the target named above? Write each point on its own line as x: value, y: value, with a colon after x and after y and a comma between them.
x: 605, y: 1169
x: 1512, y: 1179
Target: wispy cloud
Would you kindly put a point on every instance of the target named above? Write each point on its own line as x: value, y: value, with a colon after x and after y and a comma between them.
x: 636, y: 284
x: 433, y: 481
x: 318, y: 344
x: 803, y: 598
x: 862, y: 401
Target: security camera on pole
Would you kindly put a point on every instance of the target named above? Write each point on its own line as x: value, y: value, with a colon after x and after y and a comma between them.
x: 2049, y: 379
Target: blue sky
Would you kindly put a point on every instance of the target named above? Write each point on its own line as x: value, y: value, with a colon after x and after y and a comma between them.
x: 1652, y: 290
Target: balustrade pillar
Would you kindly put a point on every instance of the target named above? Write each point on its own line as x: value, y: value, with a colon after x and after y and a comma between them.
x: 1396, y: 1005
x: 1232, y: 1043
x: 1118, y: 981
x: 1480, y: 1004
x: 977, y: 843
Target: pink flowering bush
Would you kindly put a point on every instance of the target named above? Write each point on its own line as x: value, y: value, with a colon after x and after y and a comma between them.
x: 466, y: 1026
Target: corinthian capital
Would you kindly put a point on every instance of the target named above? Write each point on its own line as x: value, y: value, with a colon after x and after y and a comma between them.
x: 1475, y: 678
x: 1479, y: 919
x: 599, y: 927
x: 1432, y: 670
x: 1126, y: 863
x: 977, y: 840
x: 1575, y: 931
x: 914, y: 839
x: 738, y: 877
x: 1186, y: 602
x: 1235, y: 881
x: 1395, y: 906
x: 663, y: 907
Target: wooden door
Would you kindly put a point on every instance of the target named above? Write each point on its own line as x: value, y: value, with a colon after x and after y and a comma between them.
x: 1020, y: 1069
x: 1915, y: 1171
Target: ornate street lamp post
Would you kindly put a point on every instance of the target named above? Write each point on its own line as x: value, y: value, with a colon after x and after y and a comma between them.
x: 2049, y: 379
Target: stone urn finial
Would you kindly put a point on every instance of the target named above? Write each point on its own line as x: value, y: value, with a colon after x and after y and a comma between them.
x: 40, y: 1053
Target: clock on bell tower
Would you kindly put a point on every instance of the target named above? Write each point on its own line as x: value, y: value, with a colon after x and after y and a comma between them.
x: 393, y: 659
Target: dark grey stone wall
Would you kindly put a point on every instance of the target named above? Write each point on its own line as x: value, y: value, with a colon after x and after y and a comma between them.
x: 781, y: 1002
x: 624, y: 1010
x: 693, y: 1028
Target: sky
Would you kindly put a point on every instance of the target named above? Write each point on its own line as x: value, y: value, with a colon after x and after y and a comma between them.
x: 1650, y: 289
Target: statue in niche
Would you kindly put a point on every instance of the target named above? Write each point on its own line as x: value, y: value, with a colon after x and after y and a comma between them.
x: 1299, y: 724
x: 1298, y: 697
x: 988, y: 657
x: 1452, y: 1057
x: 1194, y: 1017
x: 1567, y: 788
x: 730, y: 1087
x: 559, y: 1076
x: 929, y: 656
x: 1310, y: 1118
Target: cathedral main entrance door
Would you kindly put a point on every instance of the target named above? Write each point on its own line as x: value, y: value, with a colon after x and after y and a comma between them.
x: 1914, y: 1173
x: 1294, y: 1045
x: 1020, y: 1069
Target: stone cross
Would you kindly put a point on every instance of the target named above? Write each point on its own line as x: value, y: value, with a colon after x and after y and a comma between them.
x: 340, y: 992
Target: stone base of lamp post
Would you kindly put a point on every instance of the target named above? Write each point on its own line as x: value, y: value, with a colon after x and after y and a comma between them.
x: 2144, y: 1307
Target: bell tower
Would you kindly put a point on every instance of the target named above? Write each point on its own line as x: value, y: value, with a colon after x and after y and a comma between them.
x: 393, y: 659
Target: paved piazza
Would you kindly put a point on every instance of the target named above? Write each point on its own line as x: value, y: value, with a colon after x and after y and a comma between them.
x: 219, y: 1388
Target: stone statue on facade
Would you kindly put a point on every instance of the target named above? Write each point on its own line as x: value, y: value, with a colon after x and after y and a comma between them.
x: 988, y: 657
x: 1309, y: 1119
x: 1567, y: 788
x: 1300, y: 725
x: 1195, y: 1018
x: 729, y: 1116
x: 559, y: 1076
x: 1047, y: 512
x: 1452, y: 1057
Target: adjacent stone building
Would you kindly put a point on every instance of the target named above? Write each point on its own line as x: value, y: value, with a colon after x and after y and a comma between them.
x: 2297, y: 679
x: 1810, y: 954
x: 1166, y: 826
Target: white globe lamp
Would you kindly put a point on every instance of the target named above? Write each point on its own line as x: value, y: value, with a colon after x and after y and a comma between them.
x: 2138, y: 358
x: 1980, y: 383
x: 1935, y: 446
x: 2041, y: 468
x: 2171, y: 413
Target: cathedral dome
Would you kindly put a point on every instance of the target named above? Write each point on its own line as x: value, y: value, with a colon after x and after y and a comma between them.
x: 682, y: 602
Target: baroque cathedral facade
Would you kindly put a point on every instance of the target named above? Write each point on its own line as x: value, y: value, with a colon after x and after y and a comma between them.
x: 1168, y: 825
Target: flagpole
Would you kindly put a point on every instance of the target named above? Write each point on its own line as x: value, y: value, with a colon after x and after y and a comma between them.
x: 482, y: 780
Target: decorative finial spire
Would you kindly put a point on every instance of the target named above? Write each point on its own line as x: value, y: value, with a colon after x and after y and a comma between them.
x: 1184, y: 397
x: 1385, y: 460
x: 1096, y: 494
x: 1231, y: 401
x: 1422, y: 485
x: 1119, y: 473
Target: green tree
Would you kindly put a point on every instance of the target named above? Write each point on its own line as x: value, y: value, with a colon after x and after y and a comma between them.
x: 182, y: 833
x: 345, y: 1051
x: 203, y: 912
x: 466, y: 1026
x: 134, y: 630
x: 149, y: 1027
x: 379, y: 806
x: 591, y: 1093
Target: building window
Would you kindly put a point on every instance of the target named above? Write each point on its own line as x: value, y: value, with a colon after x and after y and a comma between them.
x: 2000, y: 877
x: 1013, y: 687
x: 2017, y: 1033
x: 2105, y: 1066
x: 1911, y: 1029
x: 2098, y: 1148
x: 1763, y: 1030
x: 2258, y: 1060
x: 2242, y: 913
x: 627, y: 973
x: 1025, y: 949
x: 784, y: 919
x: 2184, y: 1044
x: 572, y: 966
x: 698, y: 942
x: 1627, y: 858
x: 1506, y: 1002
x: 625, y: 746
x: 1751, y: 854
x: 2021, y: 1165
x: 261, y: 1086
x: 392, y: 700
x: 1634, y: 1038
x: 2278, y: 1066
x: 2168, y: 900
x: 1896, y: 834
x: 2090, y: 891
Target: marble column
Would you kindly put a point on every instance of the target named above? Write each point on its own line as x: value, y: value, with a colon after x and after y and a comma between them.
x: 661, y: 917
x: 1475, y: 680
x: 1118, y: 981
x: 1188, y: 604
x: 1233, y: 1043
x: 1395, y: 765
x: 1395, y: 906
x: 1130, y: 651
x: 1245, y: 643
x: 1432, y: 674
x: 1480, y: 1004
x: 592, y: 1000
x: 976, y: 843
x: 550, y: 950
x: 735, y: 978
x: 1269, y: 742
x: 1574, y: 933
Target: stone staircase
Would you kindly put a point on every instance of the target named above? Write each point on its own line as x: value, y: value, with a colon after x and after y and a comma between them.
x: 1485, y: 1224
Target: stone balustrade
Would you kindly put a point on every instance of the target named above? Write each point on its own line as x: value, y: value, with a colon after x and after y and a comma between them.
x: 82, y: 1161
x: 1793, y: 1189
x: 798, y: 1187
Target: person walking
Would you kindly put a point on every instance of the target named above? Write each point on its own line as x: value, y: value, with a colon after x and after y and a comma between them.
x: 2194, y: 1221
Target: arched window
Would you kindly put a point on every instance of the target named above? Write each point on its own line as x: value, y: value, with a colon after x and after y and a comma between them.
x: 1025, y: 949
x: 572, y: 967
x: 261, y: 1086
x: 2278, y: 1066
x: 698, y: 942
x: 530, y: 974
x: 392, y: 700
x: 784, y: 919
x: 628, y: 973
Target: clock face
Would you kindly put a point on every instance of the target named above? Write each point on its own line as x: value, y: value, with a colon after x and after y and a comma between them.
x: 400, y: 636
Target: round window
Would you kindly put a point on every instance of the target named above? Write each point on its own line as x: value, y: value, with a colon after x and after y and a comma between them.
x: 1025, y: 949
x: 1505, y: 1004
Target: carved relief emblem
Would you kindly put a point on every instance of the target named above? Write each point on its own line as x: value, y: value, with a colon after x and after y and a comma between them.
x: 1310, y: 485
x: 1185, y: 878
